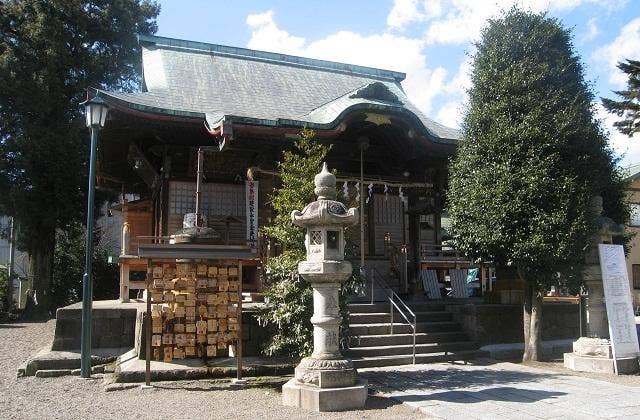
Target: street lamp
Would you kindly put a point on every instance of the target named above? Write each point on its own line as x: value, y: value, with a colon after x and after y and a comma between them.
x: 96, y: 113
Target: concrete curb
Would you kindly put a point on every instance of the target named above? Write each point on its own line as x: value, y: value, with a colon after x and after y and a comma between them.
x: 513, y: 351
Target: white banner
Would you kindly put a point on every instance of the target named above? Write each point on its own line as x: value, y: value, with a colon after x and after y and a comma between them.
x: 251, y: 200
x: 617, y: 294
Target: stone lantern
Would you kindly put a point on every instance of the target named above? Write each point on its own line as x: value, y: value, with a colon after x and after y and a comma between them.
x: 325, y: 381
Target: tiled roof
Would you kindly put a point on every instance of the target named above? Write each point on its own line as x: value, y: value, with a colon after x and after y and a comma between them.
x: 631, y: 172
x: 225, y: 83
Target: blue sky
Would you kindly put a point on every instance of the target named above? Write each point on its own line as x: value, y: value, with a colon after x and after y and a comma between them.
x: 429, y: 40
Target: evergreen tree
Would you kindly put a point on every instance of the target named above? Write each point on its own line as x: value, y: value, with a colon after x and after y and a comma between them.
x: 629, y: 107
x: 531, y: 158
x: 51, y: 51
x: 289, y: 298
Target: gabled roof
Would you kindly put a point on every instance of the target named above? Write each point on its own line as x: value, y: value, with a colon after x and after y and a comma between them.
x: 219, y: 83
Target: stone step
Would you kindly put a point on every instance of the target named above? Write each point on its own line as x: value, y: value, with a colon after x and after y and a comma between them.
x: 378, y: 317
x: 385, y: 328
x: 426, y: 348
x: 399, y: 339
x: 396, y: 360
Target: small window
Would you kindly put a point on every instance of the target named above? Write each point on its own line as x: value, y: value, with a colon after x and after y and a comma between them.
x: 316, y: 237
x: 634, y: 220
x: 332, y: 239
x: 635, y: 272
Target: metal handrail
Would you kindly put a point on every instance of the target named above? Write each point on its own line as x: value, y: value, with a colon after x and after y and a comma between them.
x: 393, y: 296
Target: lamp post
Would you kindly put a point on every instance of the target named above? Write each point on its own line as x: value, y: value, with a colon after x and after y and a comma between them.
x: 96, y: 113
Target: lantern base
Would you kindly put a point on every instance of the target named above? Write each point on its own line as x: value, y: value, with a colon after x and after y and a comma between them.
x: 326, y: 373
x: 313, y: 398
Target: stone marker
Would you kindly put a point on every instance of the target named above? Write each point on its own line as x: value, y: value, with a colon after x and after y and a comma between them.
x: 326, y: 381
x: 594, y: 353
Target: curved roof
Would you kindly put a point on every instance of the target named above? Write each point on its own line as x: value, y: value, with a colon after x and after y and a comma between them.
x: 219, y: 83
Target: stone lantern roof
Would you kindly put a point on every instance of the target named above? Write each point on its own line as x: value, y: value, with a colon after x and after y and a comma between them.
x: 325, y: 210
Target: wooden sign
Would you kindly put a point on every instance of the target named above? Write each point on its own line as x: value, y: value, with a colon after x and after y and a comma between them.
x: 617, y: 293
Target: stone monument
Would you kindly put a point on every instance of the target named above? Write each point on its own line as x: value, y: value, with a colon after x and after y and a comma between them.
x: 593, y: 353
x: 325, y: 381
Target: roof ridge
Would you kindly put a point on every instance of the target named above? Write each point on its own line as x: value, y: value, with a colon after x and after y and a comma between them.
x: 272, y: 57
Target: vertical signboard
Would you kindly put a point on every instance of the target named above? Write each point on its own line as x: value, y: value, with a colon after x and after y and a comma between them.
x: 615, y: 281
x: 251, y: 200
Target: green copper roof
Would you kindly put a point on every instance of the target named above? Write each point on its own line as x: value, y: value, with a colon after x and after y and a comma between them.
x: 216, y: 83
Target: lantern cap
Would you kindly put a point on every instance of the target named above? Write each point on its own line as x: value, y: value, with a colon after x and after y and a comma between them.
x: 325, y: 210
x: 325, y: 183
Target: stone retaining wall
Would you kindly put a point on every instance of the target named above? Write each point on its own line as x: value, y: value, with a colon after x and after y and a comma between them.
x: 112, y: 327
x: 494, y: 323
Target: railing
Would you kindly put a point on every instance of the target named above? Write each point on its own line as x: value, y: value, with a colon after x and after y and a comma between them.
x: 396, y: 302
x: 443, y: 254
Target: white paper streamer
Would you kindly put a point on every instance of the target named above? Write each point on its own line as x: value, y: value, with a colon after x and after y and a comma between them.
x: 345, y: 189
x: 357, y: 192
x: 386, y: 192
x: 369, y: 192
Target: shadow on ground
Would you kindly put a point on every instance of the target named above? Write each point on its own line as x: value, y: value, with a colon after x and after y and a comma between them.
x: 510, y: 394
x: 452, y: 377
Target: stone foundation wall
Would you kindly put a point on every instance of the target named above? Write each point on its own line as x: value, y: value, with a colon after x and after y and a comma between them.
x: 494, y: 323
x: 111, y: 327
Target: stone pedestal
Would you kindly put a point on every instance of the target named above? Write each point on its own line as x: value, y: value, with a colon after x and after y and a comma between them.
x: 317, y: 399
x: 595, y: 355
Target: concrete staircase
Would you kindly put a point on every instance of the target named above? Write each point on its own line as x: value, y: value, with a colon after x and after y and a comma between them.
x: 438, y: 337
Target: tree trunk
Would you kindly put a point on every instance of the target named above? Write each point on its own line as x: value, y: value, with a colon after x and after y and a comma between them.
x: 41, y: 268
x: 533, y: 346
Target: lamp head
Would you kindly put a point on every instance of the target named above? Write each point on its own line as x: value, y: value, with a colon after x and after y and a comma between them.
x: 96, y: 112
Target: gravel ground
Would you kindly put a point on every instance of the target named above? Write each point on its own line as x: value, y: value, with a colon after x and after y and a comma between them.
x: 70, y: 397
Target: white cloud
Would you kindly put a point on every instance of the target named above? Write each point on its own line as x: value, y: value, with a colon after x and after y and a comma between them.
x: 386, y: 50
x: 592, y: 30
x: 623, y: 145
x: 450, y: 113
x: 626, y: 45
x: 405, y: 12
x: 461, y: 21
x: 267, y: 36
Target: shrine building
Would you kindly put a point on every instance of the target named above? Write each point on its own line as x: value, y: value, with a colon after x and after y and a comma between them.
x: 241, y: 109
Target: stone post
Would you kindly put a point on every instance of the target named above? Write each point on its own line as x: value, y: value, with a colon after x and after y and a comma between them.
x: 325, y: 381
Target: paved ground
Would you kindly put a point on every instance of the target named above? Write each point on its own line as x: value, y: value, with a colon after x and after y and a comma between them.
x: 489, y: 390
x: 70, y: 397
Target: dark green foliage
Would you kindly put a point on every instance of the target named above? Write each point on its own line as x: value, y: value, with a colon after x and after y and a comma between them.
x: 289, y: 306
x: 51, y: 51
x: 532, y: 155
x: 289, y: 298
x: 296, y: 170
x: 628, y: 108
x: 68, y: 269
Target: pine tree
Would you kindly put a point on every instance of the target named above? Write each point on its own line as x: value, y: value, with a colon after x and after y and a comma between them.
x: 629, y: 107
x: 531, y: 158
